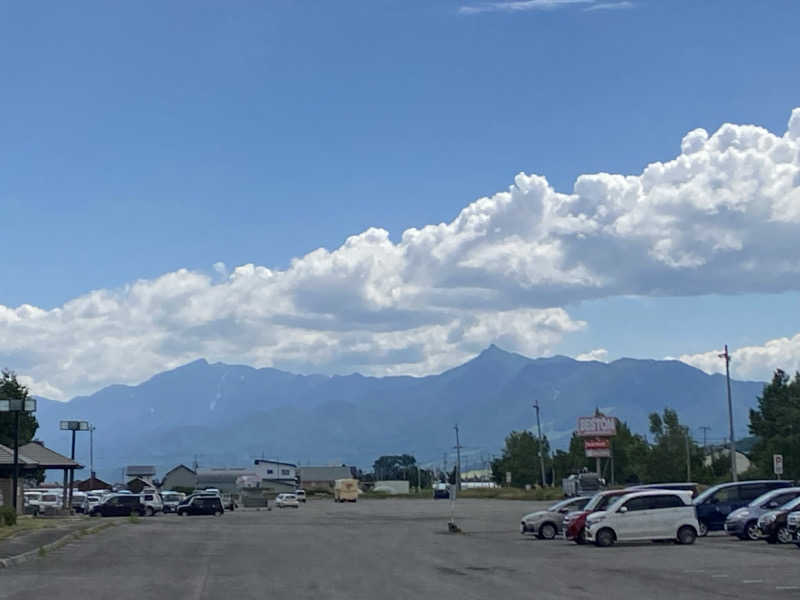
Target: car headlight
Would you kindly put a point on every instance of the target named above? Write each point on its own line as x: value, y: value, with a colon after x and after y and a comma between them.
x: 738, y: 514
x: 767, y: 519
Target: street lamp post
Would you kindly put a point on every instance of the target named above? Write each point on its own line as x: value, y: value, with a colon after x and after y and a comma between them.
x: 732, y: 449
x: 17, y: 405
x: 73, y: 426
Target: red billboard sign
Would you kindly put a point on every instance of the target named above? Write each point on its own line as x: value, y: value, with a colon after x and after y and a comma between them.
x: 596, y: 444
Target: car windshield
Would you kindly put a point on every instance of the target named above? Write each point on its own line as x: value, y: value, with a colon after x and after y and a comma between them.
x: 701, y: 498
x: 791, y: 504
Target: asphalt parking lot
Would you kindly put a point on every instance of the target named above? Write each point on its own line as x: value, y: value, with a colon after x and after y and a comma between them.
x: 389, y: 549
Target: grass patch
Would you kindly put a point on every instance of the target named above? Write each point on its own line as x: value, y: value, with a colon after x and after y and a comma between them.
x: 27, y: 522
x: 540, y: 494
x: 133, y: 518
x: 42, y: 552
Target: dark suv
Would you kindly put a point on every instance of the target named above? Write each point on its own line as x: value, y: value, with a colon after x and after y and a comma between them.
x: 201, y: 505
x: 716, y: 503
x: 120, y: 505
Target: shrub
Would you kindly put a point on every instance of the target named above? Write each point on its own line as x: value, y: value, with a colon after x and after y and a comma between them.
x: 8, y: 516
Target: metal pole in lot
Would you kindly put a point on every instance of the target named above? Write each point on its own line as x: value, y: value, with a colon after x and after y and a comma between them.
x: 458, y: 460
x: 15, y: 485
x: 688, y: 457
x: 541, y: 442
x: 732, y: 448
x: 71, y: 475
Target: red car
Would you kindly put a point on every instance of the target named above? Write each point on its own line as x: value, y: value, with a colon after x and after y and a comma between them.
x: 575, y: 523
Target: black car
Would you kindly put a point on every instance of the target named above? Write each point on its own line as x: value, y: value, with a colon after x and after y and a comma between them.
x: 773, y: 524
x: 120, y: 505
x: 201, y: 505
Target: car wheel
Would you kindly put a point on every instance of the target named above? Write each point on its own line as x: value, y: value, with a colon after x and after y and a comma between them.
x: 580, y: 539
x: 547, y: 531
x: 217, y: 513
x: 181, y: 513
x: 784, y: 536
x: 604, y: 538
x: 149, y: 512
x: 703, y: 529
x: 686, y: 535
x: 751, y: 531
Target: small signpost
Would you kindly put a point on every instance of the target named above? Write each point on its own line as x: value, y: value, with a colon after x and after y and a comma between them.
x: 777, y: 464
x: 508, y: 477
x: 597, y: 447
x: 597, y: 432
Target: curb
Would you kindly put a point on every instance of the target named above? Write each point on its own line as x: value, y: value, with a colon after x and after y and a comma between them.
x: 62, y: 541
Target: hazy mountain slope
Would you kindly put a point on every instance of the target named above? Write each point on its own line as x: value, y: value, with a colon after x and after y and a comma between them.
x: 230, y: 414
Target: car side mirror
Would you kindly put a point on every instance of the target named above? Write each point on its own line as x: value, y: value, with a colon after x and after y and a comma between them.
x: 563, y: 511
x: 623, y: 510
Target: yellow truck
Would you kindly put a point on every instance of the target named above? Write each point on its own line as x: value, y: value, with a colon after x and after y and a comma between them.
x: 345, y: 490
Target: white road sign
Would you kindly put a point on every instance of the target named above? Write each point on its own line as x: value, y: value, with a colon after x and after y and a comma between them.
x: 777, y: 464
x: 597, y: 426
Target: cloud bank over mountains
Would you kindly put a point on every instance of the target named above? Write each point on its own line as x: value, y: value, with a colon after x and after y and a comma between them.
x: 722, y: 217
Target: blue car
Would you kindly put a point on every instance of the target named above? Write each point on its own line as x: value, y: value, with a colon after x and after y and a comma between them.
x: 716, y: 503
x: 743, y: 522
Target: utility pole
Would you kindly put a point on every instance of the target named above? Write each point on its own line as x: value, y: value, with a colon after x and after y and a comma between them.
x: 705, y: 429
x: 688, y: 457
x: 727, y: 357
x: 541, y: 442
x: 91, y: 455
x: 458, y: 460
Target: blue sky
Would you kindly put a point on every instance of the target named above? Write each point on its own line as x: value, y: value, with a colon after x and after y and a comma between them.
x: 140, y: 139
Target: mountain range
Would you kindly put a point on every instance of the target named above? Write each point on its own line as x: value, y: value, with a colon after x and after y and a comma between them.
x: 227, y: 415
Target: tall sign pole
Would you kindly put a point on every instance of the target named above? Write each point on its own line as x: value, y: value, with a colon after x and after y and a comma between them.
x: 458, y: 460
x: 732, y: 449
x: 541, y: 442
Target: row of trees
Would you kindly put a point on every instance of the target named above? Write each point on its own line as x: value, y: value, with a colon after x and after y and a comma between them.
x: 635, y: 459
x: 10, y: 388
x: 775, y: 425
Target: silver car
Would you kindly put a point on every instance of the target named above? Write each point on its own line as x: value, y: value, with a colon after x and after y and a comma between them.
x: 547, y: 524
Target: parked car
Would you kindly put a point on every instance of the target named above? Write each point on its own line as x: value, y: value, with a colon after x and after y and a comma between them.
x: 547, y: 524
x: 201, y: 504
x: 793, y: 525
x: 119, y: 505
x: 49, y: 501
x: 677, y: 486
x: 584, y: 483
x: 743, y: 522
x: 575, y: 522
x: 284, y: 500
x: 77, y: 501
x: 301, y: 495
x: 228, y: 501
x: 89, y: 502
x: 774, y: 526
x: 716, y: 503
x: 152, y: 502
x: 170, y: 500
x: 441, y: 490
x: 647, y: 515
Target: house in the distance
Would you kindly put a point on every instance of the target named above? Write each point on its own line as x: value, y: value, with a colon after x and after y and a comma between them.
x: 180, y: 477
x: 144, y: 473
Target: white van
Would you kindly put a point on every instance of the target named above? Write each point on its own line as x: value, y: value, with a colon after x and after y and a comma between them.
x: 650, y: 515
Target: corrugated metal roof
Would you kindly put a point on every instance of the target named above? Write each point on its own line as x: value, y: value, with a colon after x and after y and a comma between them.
x: 36, y: 454
x: 324, y: 473
x: 7, y: 457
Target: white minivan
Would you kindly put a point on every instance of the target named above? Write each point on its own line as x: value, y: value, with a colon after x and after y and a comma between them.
x: 650, y: 515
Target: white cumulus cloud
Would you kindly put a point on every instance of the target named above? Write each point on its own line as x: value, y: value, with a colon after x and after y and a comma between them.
x: 752, y: 362
x: 722, y: 217
x: 598, y: 354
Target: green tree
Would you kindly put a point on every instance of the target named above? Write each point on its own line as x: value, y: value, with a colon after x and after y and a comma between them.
x: 631, y: 453
x: 521, y: 458
x: 667, y: 456
x: 10, y: 388
x: 776, y: 423
x: 393, y: 467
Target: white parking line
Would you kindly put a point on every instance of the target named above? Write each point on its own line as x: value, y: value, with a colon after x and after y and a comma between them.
x: 720, y: 576
x: 695, y: 571
x: 787, y: 587
x: 752, y: 581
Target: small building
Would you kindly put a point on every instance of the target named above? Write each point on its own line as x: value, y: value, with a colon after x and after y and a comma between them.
x: 144, y: 472
x: 222, y: 478
x: 137, y: 484
x: 322, y: 479
x: 32, y: 457
x: 274, y: 470
x: 179, y: 477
